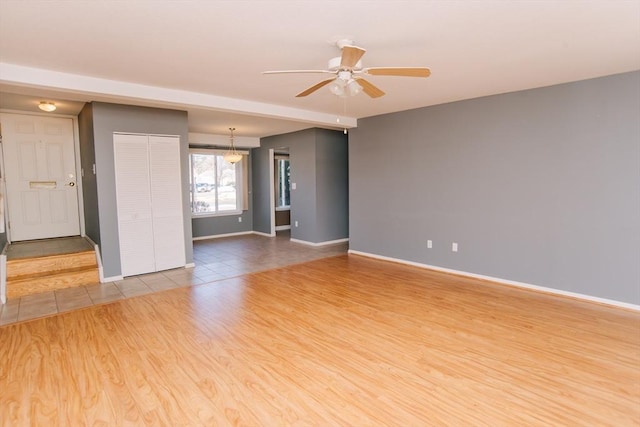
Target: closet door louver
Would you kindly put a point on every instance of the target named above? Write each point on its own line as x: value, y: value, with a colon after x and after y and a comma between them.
x: 135, y: 228
x: 166, y: 200
x: 149, y: 203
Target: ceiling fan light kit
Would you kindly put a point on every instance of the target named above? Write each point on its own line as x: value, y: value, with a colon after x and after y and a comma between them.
x: 348, y: 71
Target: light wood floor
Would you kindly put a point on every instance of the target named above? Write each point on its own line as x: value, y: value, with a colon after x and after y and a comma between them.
x: 342, y: 341
x: 215, y: 259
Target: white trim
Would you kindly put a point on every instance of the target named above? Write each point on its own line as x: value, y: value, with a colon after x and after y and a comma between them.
x: 148, y: 134
x: 190, y: 265
x: 38, y: 113
x: 112, y: 279
x: 260, y: 233
x: 272, y: 191
x: 223, y: 140
x: 503, y: 281
x: 328, y: 242
x: 3, y: 276
x: 96, y: 248
x: 216, y: 236
x: 79, y: 176
x: 215, y: 151
x: 117, y: 90
x: 4, y: 207
x: 215, y: 215
x: 283, y: 227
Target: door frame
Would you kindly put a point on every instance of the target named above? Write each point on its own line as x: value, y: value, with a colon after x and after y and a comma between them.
x: 78, y: 168
x: 272, y: 193
x: 275, y: 174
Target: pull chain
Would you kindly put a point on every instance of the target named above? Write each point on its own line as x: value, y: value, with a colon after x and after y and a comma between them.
x: 344, y: 110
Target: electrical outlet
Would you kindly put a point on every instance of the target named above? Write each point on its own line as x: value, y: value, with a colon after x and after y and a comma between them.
x: 239, y: 219
x: 454, y: 247
x: 296, y: 223
x: 429, y: 244
x: 293, y: 185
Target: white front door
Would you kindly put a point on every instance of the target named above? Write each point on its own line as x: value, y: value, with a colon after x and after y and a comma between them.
x: 40, y: 170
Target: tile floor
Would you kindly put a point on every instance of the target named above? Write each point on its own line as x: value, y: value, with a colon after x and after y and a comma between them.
x: 215, y: 259
x: 47, y: 247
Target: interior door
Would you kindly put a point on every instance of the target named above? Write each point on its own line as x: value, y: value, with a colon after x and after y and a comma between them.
x: 133, y: 195
x: 40, y: 169
x: 149, y: 203
x: 166, y: 200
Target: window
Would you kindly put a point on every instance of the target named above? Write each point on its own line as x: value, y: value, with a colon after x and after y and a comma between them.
x: 283, y: 180
x: 215, y: 184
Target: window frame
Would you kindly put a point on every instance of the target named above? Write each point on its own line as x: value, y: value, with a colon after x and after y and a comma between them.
x: 239, y: 184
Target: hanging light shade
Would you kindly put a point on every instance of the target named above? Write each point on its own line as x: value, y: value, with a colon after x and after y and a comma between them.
x: 337, y: 87
x: 47, y: 106
x: 232, y: 156
x: 354, y: 87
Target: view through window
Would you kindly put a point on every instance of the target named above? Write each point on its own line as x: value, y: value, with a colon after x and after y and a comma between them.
x: 283, y: 178
x: 214, y: 183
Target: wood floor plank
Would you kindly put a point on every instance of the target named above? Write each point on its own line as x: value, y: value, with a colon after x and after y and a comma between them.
x: 339, y: 341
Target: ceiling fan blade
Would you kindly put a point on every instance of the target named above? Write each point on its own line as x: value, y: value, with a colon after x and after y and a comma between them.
x: 369, y: 88
x: 350, y: 56
x: 315, y: 87
x: 297, y: 71
x: 398, y: 71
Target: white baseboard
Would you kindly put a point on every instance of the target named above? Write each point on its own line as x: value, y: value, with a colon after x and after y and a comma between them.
x: 283, y: 227
x: 190, y: 265
x: 217, y: 236
x: 241, y: 233
x: 112, y: 279
x: 3, y: 277
x: 96, y: 248
x: 259, y: 233
x: 329, y: 242
x: 503, y: 281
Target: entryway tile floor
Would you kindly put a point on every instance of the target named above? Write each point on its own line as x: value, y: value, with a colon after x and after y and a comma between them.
x: 47, y: 247
x: 214, y: 259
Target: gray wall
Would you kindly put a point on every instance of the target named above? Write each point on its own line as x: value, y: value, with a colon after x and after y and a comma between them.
x: 302, y: 160
x: 89, y: 181
x: 332, y: 189
x: 260, y: 185
x: 110, y: 118
x: 540, y: 186
x: 318, y: 181
x: 215, y: 225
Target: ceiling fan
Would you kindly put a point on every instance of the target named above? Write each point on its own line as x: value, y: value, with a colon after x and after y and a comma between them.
x: 347, y: 70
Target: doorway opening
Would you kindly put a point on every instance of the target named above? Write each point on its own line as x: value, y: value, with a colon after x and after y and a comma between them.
x: 282, y: 190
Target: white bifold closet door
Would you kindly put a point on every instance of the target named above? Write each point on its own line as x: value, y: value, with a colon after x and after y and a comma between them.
x: 149, y: 203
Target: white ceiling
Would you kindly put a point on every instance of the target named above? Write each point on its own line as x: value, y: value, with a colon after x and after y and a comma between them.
x: 207, y: 56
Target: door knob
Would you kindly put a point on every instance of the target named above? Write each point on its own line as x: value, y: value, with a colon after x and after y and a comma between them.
x: 71, y: 184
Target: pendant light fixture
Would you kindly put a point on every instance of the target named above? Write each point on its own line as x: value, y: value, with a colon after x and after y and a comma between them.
x: 232, y: 156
